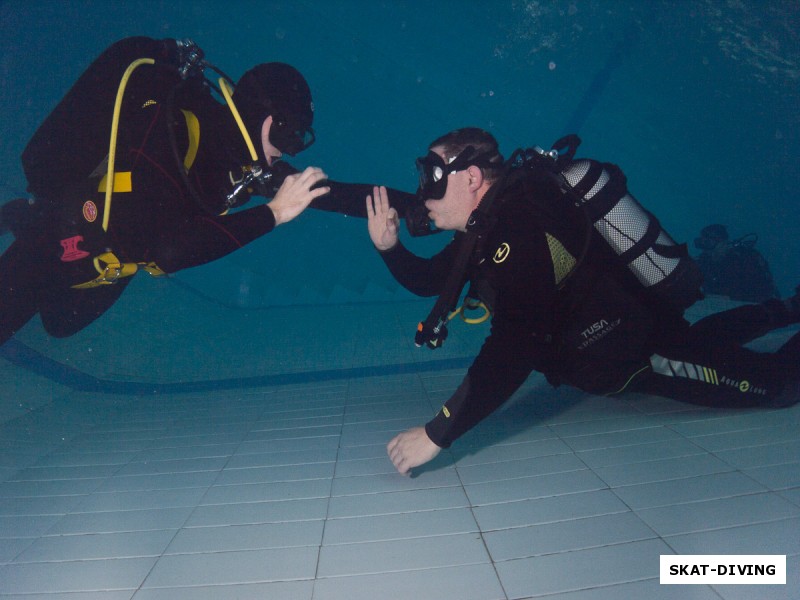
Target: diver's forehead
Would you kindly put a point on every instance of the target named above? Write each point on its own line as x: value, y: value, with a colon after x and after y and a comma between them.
x: 439, y: 150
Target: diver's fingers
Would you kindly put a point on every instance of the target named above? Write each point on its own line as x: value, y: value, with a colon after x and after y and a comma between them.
x: 393, y: 221
x: 370, y: 207
x: 312, y: 175
x: 320, y: 191
x: 383, y: 198
x: 373, y: 203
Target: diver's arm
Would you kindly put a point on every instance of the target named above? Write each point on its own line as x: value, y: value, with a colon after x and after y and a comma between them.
x: 520, y: 340
x: 348, y: 199
x: 204, y: 238
x: 500, y: 369
x: 420, y: 276
x: 344, y: 198
x: 502, y: 366
x: 496, y: 374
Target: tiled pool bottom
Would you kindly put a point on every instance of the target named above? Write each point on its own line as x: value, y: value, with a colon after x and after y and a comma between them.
x: 284, y: 491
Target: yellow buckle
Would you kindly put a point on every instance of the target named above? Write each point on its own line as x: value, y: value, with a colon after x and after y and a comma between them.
x: 110, y: 273
x: 113, y: 269
x: 105, y: 277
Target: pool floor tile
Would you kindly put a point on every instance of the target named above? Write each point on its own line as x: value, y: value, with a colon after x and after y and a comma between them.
x: 286, y: 491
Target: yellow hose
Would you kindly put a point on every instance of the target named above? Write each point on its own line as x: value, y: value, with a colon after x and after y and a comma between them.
x: 226, y: 91
x: 460, y: 312
x: 112, y: 150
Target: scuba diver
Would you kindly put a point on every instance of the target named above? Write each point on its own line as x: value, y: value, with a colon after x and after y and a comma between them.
x: 733, y: 268
x: 139, y: 167
x: 582, y: 283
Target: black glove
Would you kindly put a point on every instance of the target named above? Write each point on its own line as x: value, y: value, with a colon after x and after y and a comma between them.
x: 190, y: 59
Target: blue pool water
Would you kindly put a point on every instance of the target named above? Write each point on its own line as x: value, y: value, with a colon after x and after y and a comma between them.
x: 697, y: 103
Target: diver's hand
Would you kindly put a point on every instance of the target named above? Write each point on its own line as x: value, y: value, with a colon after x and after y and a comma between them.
x: 295, y: 194
x: 410, y: 449
x: 382, y: 220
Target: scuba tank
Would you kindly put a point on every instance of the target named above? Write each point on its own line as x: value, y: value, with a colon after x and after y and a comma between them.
x: 639, y: 243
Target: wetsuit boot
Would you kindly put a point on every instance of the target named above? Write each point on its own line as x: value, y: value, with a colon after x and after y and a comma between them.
x: 782, y: 313
x: 791, y: 353
x: 793, y: 305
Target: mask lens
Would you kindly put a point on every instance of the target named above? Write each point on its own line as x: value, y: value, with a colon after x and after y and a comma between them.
x: 432, y: 180
x: 288, y: 139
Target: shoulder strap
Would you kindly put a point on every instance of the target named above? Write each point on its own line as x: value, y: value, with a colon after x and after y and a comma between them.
x: 433, y: 330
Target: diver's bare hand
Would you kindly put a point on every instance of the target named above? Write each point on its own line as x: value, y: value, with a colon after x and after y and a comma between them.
x: 295, y: 194
x: 382, y: 220
x: 410, y: 449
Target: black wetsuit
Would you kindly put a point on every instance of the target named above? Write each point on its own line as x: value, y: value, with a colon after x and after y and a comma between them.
x: 163, y: 216
x: 598, y: 333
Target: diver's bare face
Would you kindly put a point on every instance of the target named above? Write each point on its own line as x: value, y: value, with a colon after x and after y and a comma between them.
x: 451, y: 212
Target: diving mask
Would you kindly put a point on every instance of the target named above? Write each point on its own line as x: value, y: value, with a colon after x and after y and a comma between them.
x: 433, y: 173
x: 288, y: 138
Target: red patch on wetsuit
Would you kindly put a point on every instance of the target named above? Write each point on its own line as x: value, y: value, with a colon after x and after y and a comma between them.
x: 89, y: 211
x: 71, y: 250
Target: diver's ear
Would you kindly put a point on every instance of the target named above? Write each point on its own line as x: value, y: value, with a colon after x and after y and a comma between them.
x: 266, y: 125
x: 476, y: 178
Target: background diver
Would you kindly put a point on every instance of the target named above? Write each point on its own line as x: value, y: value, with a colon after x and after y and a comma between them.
x: 565, y: 302
x: 733, y: 268
x: 143, y: 116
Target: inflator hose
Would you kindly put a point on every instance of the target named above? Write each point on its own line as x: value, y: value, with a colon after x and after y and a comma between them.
x: 112, y: 150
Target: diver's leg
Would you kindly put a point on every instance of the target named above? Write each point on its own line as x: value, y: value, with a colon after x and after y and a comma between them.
x: 17, y: 284
x: 726, y: 377
x: 790, y: 356
x: 66, y: 311
x: 746, y: 323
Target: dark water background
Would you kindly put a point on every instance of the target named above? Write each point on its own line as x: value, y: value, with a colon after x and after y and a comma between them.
x: 696, y: 101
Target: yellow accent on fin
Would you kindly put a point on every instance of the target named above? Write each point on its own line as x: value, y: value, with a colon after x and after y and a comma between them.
x: 446, y: 412
x: 122, y: 182
x: 563, y: 261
